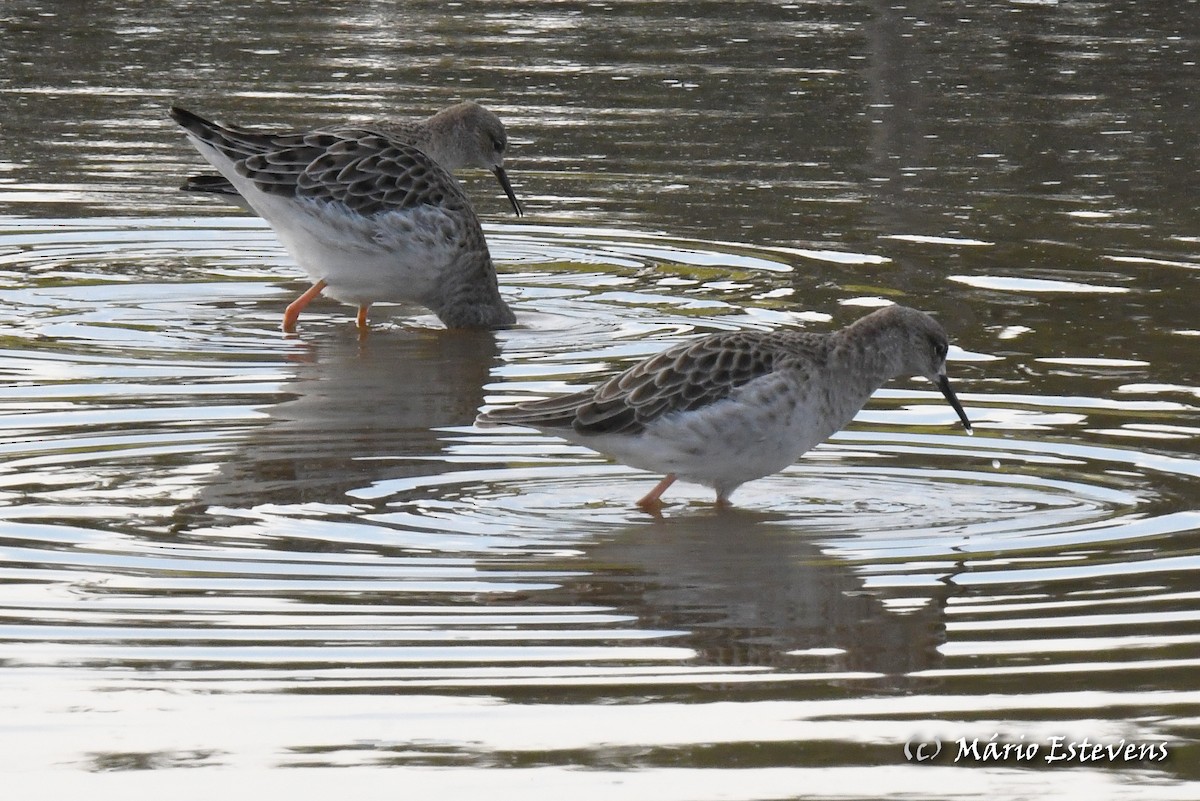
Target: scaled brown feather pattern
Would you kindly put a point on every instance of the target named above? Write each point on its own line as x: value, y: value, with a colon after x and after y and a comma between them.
x: 682, y: 378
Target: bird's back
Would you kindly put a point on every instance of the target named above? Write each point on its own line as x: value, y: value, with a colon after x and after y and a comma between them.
x: 366, y: 170
x: 686, y: 377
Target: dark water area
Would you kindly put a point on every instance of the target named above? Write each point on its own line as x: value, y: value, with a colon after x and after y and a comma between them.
x: 230, y: 551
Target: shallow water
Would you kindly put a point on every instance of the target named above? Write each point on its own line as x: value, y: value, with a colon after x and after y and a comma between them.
x: 238, y: 552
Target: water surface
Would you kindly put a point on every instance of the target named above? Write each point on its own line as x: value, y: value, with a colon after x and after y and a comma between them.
x: 237, y: 552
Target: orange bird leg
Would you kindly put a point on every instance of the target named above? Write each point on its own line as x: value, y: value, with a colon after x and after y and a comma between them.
x: 362, y: 320
x: 292, y: 312
x: 651, y: 501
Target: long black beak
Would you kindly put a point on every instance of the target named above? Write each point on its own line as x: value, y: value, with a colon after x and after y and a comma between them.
x: 502, y: 177
x: 944, y: 385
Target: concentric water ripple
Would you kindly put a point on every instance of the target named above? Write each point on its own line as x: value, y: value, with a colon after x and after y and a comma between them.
x: 191, y: 500
x: 295, y: 564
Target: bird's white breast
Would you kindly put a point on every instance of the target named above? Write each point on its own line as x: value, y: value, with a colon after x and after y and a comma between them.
x: 757, y: 430
x: 389, y: 256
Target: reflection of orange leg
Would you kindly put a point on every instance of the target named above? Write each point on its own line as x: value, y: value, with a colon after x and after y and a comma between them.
x: 362, y: 320
x: 651, y: 502
x: 292, y: 312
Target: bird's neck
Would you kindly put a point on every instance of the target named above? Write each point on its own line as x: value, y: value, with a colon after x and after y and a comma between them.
x: 469, y: 296
x: 860, y: 364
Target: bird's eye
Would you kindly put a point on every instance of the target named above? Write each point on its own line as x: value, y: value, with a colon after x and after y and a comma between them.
x: 939, y: 350
x: 497, y: 145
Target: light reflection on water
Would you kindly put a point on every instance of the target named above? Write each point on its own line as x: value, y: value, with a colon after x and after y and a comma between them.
x: 195, y: 502
x: 227, y: 549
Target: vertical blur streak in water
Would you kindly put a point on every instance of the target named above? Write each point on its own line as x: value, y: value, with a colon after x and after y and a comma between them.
x: 298, y: 552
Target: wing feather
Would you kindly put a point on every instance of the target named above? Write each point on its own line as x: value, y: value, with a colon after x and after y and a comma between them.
x: 688, y: 376
x: 366, y: 168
